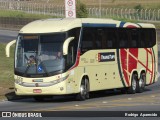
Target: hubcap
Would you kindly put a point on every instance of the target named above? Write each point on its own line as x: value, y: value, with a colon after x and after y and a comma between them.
x: 83, y: 90
x: 134, y: 84
x: 141, y: 82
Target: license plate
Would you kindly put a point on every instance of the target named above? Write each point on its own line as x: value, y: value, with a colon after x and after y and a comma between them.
x: 37, y: 91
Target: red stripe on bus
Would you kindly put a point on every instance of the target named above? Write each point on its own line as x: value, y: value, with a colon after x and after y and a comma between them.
x: 148, y: 50
x: 131, y: 26
x: 124, y: 64
x: 77, y: 59
x: 145, y: 66
x: 146, y: 60
x: 152, y: 66
x: 132, y: 61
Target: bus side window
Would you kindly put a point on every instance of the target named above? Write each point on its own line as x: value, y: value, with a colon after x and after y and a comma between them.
x: 151, y: 37
x: 134, y: 38
x: 110, y: 38
x: 87, y: 41
x: 143, y: 39
x: 99, y: 37
x: 123, y: 38
x: 71, y: 54
x: 72, y: 48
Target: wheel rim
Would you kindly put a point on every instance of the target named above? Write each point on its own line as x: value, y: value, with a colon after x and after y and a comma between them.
x: 134, y: 84
x: 83, y: 90
x: 141, y: 83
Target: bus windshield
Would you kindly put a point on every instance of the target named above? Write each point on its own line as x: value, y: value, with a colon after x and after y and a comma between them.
x: 40, y: 54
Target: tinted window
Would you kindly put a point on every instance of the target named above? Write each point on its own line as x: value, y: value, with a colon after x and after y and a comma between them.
x: 133, y: 38
x: 110, y: 38
x: 123, y: 39
x: 72, y: 48
x: 114, y: 38
x: 88, y: 39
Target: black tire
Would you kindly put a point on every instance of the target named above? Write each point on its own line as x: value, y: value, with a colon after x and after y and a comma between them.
x: 124, y: 90
x: 84, y: 90
x: 133, y: 88
x: 141, y: 83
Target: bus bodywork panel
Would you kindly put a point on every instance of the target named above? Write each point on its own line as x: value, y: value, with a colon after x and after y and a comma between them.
x: 57, y: 85
x: 105, y: 68
x: 50, y: 26
x: 60, y: 25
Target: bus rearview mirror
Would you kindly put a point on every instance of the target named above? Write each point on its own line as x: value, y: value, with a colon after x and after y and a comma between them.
x: 66, y: 44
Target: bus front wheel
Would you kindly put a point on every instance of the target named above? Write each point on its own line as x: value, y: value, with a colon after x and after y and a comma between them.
x: 84, y: 90
x: 132, y: 89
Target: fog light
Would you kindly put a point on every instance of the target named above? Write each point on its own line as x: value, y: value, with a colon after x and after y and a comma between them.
x: 61, y: 88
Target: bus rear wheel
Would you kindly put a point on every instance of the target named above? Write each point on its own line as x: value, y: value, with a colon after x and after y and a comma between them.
x: 84, y: 90
x: 133, y: 88
x: 141, y: 83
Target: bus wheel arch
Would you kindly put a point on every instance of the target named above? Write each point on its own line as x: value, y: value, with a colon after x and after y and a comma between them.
x: 141, y: 82
x: 84, y: 89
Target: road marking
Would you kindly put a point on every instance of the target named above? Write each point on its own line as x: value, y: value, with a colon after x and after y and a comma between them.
x: 129, y: 98
x: 104, y: 102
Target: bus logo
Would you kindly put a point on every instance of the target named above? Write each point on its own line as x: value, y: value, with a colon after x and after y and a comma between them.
x: 106, y: 57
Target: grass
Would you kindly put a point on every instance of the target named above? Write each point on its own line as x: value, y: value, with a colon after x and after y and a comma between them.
x: 6, y: 68
x: 20, y: 14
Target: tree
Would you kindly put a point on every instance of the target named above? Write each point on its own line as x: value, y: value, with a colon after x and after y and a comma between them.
x: 139, y: 8
x: 81, y: 10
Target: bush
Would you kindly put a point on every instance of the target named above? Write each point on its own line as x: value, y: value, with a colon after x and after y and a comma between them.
x: 81, y: 10
x: 139, y: 7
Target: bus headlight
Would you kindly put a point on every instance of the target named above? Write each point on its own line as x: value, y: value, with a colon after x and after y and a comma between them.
x: 59, y: 80
x: 18, y: 81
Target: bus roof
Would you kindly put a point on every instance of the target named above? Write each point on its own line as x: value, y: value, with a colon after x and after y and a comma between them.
x: 64, y: 24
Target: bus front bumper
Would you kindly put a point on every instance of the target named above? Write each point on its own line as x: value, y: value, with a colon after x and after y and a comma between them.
x: 58, y: 89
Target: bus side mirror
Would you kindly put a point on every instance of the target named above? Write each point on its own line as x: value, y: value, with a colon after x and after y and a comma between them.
x: 66, y: 44
x: 8, y: 47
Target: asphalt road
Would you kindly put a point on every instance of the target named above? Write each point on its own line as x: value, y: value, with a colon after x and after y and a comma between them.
x: 7, y: 36
x: 100, y: 101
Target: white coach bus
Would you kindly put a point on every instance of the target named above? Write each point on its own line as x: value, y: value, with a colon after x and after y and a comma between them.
x: 77, y: 56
